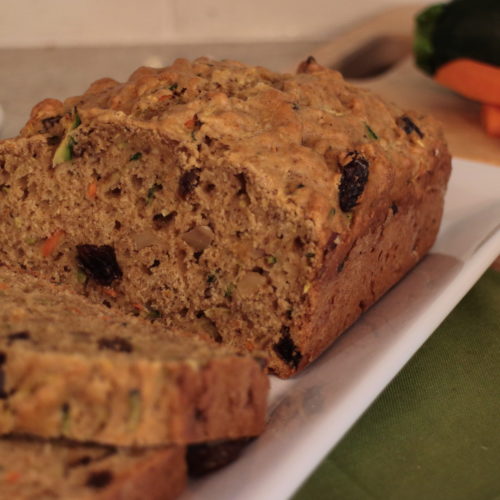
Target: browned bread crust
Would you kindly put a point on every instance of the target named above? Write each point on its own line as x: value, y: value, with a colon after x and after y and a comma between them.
x: 266, y: 210
x: 72, y: 369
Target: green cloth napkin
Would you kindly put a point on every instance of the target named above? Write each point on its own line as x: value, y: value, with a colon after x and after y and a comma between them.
x: 434, y: 433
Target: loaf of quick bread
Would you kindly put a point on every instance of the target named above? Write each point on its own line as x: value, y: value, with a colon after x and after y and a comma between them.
x: 265, y: 211
x: 75, y: 370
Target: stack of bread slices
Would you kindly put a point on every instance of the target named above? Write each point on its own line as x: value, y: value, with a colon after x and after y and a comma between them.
x: 75, y: 372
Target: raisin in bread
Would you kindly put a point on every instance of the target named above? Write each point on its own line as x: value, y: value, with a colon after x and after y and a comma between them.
x: 72, y: 369
x: 51, y: 470
x: 273, y: 209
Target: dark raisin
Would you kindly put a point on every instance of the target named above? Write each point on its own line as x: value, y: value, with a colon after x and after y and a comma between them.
x: 353, y: 180
x: 188, y: 181
x: 155, y: 263
x: 304, y: 66
x: 208, y: 457
x: 99, y: 479
x: 286, y: 349
x: 409, y: 126
x: 53, y: 140
x: 197, y: 255
x: 394, y: 208
x: 3, y: 357
x: 99, y: 263
x: 259, y: 270
x: 299, y: 244
x: 51, y: 121
x: 12, y: 337
x: 117, y: 344
x: 161, y: 220
x: 107, y: 303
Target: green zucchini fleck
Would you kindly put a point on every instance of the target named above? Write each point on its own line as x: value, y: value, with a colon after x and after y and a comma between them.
x: 64, y: 151
x: 370, y: 132
x: 152, y: 193
x: 135, y: 156
x: 271, y: 260
x: 135, y: 408
x: 153, y: 314
x: 229, y: 291
x: 65, y: 419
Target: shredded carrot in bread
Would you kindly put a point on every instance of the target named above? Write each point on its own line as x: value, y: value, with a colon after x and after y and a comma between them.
x: 92, y: 190
x: 110, y: 292
x: 51, y: 243
x: 12, y: 477
x: 190, y: 123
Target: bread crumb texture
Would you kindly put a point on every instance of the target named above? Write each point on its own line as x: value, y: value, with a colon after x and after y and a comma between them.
x: 261, y: 210
x: 60, y: 470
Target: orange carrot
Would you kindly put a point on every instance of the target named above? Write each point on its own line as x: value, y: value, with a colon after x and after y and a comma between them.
x: 475, y: 80
x: 110, y: 291
x: 51, y: 243
x: 3, y: 286
x: 12, y: 477
x: 138, y: 306
x: 92, y: 190
x: 190, y: 123
x: 490, y: 117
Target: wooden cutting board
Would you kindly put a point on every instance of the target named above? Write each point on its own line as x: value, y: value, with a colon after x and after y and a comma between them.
x: 377, y: 54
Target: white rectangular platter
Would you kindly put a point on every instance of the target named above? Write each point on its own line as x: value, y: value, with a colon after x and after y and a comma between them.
x: 309, y: 414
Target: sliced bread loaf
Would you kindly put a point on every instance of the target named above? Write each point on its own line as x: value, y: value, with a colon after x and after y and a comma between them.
x: 73, y: 369
x: 271, y: 209
x: 50, y: 470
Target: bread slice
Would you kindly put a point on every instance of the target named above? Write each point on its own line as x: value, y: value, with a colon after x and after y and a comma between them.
x: 51, y: 470
x: 272, y: 209
x: 76, y: 370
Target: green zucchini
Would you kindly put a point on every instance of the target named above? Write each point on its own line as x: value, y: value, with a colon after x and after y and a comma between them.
x: 459, y: 29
